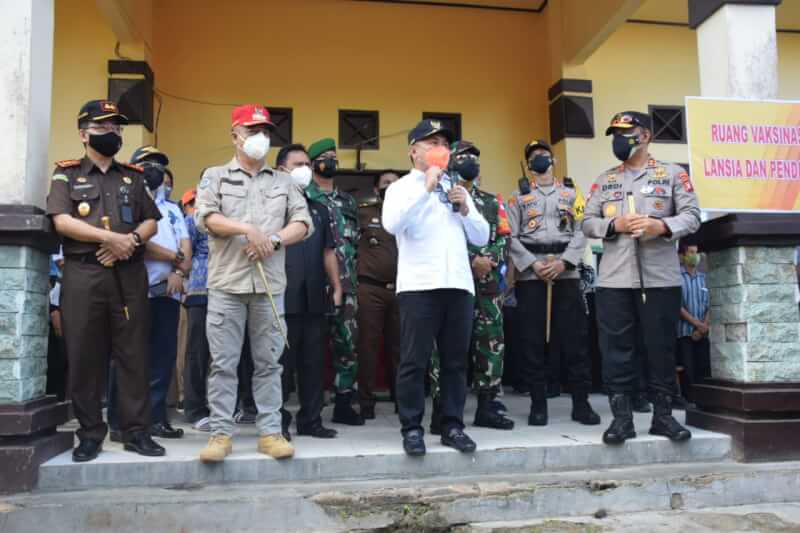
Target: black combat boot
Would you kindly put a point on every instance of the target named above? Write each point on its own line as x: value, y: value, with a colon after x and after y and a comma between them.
x: 621, y: 427
x: 582, y: 411
x: 538, y: 415
x: 436, y: 417
x: 343, y: 412
x: 487, y: 414
x: 286, y: 422
x: 664, y: 423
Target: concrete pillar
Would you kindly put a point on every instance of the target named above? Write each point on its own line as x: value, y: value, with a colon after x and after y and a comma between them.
x: 754, y: 394
x: 738, y: 52
x: 27, y: 418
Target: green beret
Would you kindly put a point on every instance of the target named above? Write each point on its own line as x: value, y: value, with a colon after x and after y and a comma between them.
x: 320, y: 147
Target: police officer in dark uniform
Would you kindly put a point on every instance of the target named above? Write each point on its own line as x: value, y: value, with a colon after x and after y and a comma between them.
x: 640, y: 209
x: 378, y: 314
x: 547, y: 245
x: 101, y: 209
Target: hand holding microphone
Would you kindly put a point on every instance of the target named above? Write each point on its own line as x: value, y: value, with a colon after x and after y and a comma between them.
x: 437, y: 159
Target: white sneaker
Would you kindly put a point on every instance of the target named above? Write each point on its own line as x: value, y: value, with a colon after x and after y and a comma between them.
x: 204, y: 424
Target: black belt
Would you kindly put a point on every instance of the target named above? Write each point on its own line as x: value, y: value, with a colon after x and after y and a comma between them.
x: 91, y: 259
x: 555, y: 248
x: 370, y: 281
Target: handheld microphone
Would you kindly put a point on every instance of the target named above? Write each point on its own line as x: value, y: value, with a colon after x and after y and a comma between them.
x: 454, y: 178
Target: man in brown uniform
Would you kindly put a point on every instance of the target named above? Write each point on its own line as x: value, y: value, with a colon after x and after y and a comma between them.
x: 378, y: 314
x: 102, y: 211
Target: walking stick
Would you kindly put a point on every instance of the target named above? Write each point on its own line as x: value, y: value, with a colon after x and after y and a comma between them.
x: 632, y: 210
x: 550, y: 259
x: 271, y: 301
x: 117, y: 280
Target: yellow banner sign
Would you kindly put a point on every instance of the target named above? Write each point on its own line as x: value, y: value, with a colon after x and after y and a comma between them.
x: 744, y: 154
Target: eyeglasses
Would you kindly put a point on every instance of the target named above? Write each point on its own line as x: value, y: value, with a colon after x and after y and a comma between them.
x: 104, y: 128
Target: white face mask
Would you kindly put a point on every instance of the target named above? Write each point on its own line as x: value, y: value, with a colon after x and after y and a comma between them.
x: 256, y: 146
x: 301, y: 175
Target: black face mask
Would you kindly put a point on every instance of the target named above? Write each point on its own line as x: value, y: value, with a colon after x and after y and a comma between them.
x: 326, y: 167
x: 153, y: 175
x: 623, y: 146
x: 107, y: 144
x: 382, y: 192
x: 540, y: 163
x: 468, y: 168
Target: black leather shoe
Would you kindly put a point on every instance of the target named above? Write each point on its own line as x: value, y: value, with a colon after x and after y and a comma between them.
x: 286, y: 422
x: 343, y: 412
x: 87, y: 450
x: 538, y: 414
x: 456, y: 438
x: 368, y: 412
x: 115, y: 435
x: 141, y: 443
x: 664, y: 424
x: 318, y: 432
x: 165, y: 431
x: 582, y: 411
x: 414, y: 443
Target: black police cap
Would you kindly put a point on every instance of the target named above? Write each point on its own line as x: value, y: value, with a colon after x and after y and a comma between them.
x: 464, y: 147
x: 149, y: 152
x: 100, y: 110
x: 533, y: 145
x: 629, y: 120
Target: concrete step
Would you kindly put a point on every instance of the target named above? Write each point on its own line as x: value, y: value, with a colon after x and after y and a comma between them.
x: 374, y: 451
x: 440, y: 504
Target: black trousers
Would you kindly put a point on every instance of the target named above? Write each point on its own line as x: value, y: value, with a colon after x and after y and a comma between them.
x: 195, y: 369
x: 695, y: 358
x: 569, y: 332
x: 619, y: 312
x: 305, y: 358
x: 443, y: 315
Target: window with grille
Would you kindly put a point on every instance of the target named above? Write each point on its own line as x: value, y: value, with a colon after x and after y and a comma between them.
x: 669, y: 124
x: 282, y: 118
x: 451, y: 121
x: 359, y: 129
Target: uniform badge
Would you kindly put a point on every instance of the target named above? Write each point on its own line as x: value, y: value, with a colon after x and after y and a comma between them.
x: 127, y: 180
x: 532, y: 213
x: 658, y: 204
x: 611, y: 178
x: 648, y: 189
x: 610, y: 210
x: 618, y: 195
x: 660, y: 190
x: 661, y: 172
x: 84, y: 209
x: 81, y: 180
x: 531, y: 224
x: 565, y: 194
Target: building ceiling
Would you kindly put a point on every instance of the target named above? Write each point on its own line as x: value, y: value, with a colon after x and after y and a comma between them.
x: 522, y: 5
x: 677, y: 11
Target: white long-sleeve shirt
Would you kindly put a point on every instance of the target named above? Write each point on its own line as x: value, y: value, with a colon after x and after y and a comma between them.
x: 431, y: 238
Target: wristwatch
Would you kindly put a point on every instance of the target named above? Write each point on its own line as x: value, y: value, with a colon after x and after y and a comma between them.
x: 137, y: 238
x: 276, y: 241
x: 179, y: 257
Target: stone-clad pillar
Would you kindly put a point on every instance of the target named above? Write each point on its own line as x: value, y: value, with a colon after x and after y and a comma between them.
x: 28, y: 419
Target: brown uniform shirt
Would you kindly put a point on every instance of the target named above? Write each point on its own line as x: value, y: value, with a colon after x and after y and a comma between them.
x: 377, y: 249
x: 79, y: 188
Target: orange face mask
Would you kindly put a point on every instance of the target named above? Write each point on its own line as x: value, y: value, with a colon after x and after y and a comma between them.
x: 438, y: 156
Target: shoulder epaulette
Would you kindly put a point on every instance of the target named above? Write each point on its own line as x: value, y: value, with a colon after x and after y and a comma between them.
x: 568, y: 182
x: 140, y: 168
x: 66, y: 163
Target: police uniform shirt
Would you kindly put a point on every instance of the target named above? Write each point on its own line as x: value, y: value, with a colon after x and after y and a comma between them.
x: 306, y: 278
x: 171, y: 230
x: 79, y: 188
x: 660, y: 190
x: 377, y: 249
x: 545, y: 217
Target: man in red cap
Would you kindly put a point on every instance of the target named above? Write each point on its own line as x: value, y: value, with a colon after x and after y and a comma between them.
x: 251, y: 213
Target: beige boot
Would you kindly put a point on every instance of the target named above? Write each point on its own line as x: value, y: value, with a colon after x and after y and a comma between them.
x: 275, y: 445
x: 218, y: 447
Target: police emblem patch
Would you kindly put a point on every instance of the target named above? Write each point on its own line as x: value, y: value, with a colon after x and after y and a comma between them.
x: 127, y: 180
x: 531, y: 224
x: 610, y: 210
x: 84, y: 209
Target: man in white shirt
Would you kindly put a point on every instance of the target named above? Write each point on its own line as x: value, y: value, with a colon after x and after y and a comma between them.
x: 432, y: 221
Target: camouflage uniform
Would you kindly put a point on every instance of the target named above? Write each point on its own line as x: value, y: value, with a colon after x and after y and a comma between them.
x: 488, y: 346
x: 344, y: 328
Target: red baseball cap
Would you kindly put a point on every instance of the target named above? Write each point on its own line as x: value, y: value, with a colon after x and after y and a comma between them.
x: 250, y: 115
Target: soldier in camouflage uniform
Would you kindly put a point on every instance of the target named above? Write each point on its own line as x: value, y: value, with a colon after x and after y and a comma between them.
x: 344, y: 225
x: 547, y: 245
x: 488, y: 265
